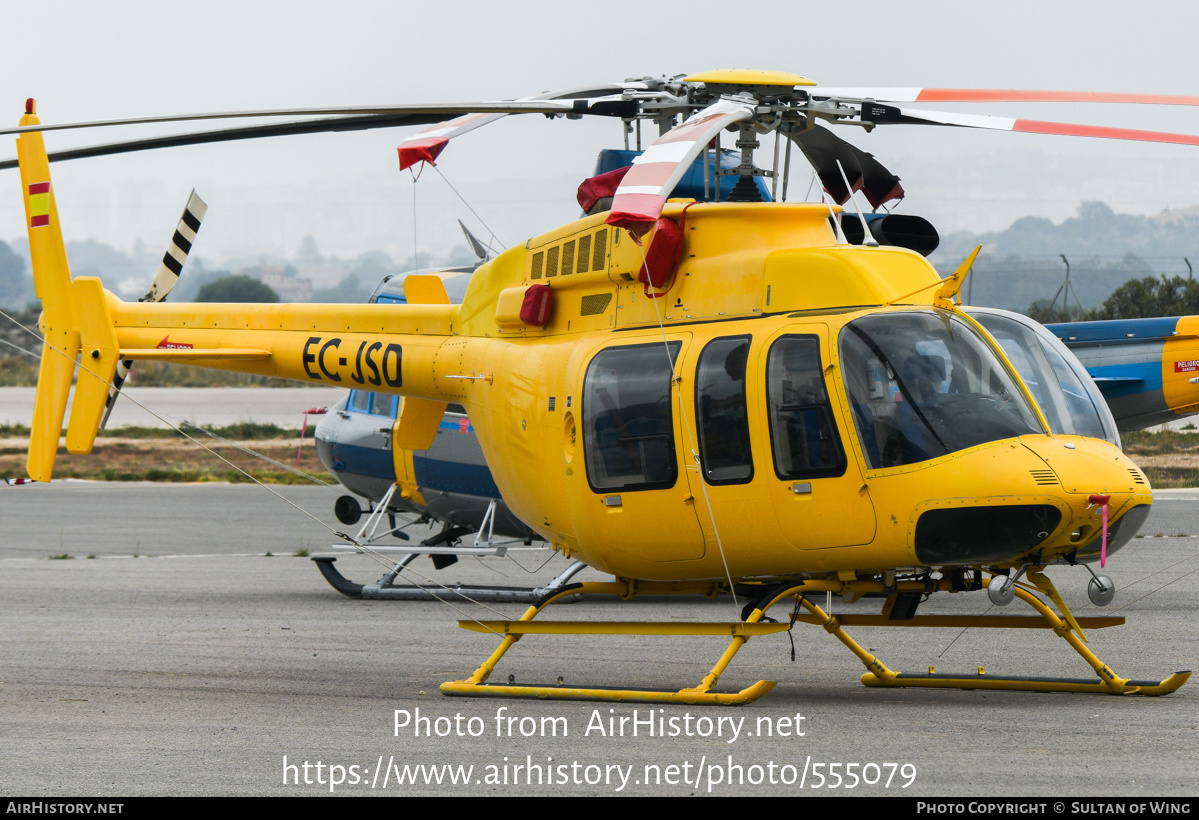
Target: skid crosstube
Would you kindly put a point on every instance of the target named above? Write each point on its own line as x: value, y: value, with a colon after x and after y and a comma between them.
x: 753, y: 624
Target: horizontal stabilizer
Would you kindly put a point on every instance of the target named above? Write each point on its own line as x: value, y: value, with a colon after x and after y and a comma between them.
x: 166, y: 354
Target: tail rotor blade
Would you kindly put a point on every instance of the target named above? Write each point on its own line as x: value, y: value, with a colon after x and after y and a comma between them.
x: 181, y: 244
x: 164, y: 281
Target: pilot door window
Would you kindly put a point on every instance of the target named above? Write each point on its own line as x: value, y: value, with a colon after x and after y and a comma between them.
x: 720, y: 407
x: 922, y: 385
x: 803, y: 435
x: 375, y: 404
x: 628, y: 418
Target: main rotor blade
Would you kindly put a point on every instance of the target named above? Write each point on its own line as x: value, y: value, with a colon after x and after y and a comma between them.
x: 428, y: 144
x: 880, y: 113
x: 245, y: 133
x: 555, y: 103
x: 603, y: 106
x: 823, y: 149
x: 640, y: 196
x: 996, y: 95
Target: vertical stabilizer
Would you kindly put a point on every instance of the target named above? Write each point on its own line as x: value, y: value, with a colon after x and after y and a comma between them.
x: 52, y: 280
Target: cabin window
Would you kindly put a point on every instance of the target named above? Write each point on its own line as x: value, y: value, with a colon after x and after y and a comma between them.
x: 360, y: 401
x: 628, y: 420
x: 802, y: 432
x: 375, y: 404
x: 724, y: 447
x: 383, y: 404
x: 925, y: 384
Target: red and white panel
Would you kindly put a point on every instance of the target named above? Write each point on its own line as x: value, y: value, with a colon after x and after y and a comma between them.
x: 997, y: 95
x: 642, y: 193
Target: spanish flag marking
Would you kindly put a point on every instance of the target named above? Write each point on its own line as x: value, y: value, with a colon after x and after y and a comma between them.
x: 39, y: 204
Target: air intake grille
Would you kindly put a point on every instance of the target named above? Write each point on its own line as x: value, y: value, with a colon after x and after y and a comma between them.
x: 584, y: 253
x: 1043, y: 477
x: 601, y: 250
x: 551, y: 262
x: 1137, y: 475
x: 538, y: 264
x: 568, y: 258
x: 595, y: 304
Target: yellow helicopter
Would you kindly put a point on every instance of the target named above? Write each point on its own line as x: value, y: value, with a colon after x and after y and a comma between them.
x: 715, y: 397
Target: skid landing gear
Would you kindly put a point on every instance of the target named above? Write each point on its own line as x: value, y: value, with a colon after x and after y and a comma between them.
x: 386, y: 588
x: 877, y: 675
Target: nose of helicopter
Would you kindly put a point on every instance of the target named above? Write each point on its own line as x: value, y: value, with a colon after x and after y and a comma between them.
x: 1023, y: 497
x: 1084, y: 468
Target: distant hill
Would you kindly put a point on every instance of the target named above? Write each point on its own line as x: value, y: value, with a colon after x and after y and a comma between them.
x: 1023, y: 264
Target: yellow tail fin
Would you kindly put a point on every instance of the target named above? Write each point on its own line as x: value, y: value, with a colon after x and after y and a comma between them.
x: 74, y: 317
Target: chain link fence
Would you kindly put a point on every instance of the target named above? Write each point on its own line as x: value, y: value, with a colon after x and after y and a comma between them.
x: 1074, y: 287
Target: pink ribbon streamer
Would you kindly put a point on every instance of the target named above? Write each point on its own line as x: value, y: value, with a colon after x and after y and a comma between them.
x: 1103, y: 548
x: 1100, y: 498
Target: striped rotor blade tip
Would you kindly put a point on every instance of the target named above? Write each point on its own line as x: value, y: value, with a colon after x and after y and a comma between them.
x: 176, y: 254
x: 999, y: 95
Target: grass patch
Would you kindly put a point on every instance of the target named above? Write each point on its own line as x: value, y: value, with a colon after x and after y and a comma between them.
x: 191, y: 475
x: 62, y: 556
x: 242, y: 431
x: 21, y: 371
x: 1167, y: 442
x: 18, y: 371
x: 1167, y: 478
x: 302, y: 552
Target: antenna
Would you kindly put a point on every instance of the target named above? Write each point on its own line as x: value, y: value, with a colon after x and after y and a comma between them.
x: 867, y: 237
x: 841, y: 240
x: 787, y: 167
x: 1064, y: 291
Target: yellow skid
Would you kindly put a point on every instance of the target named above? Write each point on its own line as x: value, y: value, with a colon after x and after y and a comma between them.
x: 1098, y: 687
x: 689, y: 696
x: 621, y: 628
x: 756, y: 623
x: 977, y: 621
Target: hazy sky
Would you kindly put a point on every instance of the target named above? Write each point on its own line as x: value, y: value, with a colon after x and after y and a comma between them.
x: 85, y: 60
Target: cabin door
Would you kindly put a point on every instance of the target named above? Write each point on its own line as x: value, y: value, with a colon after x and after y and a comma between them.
x: 635, y: 453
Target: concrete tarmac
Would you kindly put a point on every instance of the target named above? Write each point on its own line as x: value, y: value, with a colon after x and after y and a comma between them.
x: 203, y: 668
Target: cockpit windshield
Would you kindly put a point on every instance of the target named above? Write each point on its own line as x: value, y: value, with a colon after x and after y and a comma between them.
x: 924, y: 384
x: 1068, y: 397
